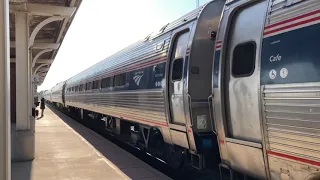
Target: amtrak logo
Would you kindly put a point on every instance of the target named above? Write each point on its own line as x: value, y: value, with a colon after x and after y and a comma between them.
x: 137, y: 78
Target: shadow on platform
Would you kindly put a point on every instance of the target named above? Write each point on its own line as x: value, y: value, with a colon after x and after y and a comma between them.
x: 65, y: 149
x: 130, y: 165
x: 22, y: 170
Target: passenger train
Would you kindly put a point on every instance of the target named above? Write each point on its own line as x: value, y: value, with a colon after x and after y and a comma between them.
x: 236, y: 79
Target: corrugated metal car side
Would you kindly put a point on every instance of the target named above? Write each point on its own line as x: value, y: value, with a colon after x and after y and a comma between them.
x: 280, y: 10
x: 139, y: 104
x: 292, y: 120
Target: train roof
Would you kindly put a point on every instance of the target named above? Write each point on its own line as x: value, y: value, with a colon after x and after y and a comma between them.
x: 144, y: 46
x: 58, y: 86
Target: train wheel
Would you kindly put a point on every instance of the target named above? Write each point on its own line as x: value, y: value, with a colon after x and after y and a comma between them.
x: 156, y: 145
x: 175, y: 156
x: 109, y: 123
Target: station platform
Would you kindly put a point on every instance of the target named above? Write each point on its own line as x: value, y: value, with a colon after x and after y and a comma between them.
x: 66, y: 150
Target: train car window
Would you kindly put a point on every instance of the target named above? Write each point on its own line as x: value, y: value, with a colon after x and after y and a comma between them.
x: 81, y: 87
x: 77, y: 88
x: 106, y: 82
x: 243, y: 62
x: 120, y: 80
x: 96, y: 84
x: 72, y: 88
x: 88, y: 86
x: 177, y: 67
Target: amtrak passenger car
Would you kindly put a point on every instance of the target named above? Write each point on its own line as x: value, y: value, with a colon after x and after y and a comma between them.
x: 266, y: 88
x: 155, y: 92
x: 56, y: 94
x: 244, y: 70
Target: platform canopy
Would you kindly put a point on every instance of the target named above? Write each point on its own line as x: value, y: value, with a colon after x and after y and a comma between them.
x: 48, y: 22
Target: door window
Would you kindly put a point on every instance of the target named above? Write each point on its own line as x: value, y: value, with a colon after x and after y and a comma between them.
x: 177, y: 68
x: 243, y: 62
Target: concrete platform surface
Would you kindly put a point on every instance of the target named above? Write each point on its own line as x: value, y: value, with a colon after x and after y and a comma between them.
x: 66, y: 150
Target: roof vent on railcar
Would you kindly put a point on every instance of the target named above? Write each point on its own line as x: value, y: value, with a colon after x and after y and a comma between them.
x: 163, y: 28
x: 148, y: 37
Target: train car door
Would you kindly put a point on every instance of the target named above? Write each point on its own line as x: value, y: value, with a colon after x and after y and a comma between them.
x: 241, y: 78
x: 64, y: 94
x: 176, y: 83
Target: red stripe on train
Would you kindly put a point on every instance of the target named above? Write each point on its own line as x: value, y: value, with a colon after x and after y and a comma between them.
x: 148, y: 63
x: 317, y: 163
x: 292, y: 25
x: 188, y: 51
x: 292, y: 19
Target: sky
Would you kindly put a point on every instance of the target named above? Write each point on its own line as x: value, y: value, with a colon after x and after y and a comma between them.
x: 103, y: 27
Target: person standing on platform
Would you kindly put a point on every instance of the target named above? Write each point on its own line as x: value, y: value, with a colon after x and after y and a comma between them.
x: 42, y: 106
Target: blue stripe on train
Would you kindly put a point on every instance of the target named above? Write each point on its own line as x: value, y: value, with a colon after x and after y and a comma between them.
x: 216, y: 69
x: 150, y: 77
x: 297, y: 51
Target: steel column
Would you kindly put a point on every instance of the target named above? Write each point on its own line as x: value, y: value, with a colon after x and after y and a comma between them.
x: 23, y: 147
x: 22, y: 71
x: 5, y: 155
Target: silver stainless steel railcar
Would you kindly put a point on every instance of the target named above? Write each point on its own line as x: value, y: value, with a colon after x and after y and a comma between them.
x: 155, y: 91
x: 47, y: 95
x: 56, y: 94
x: 266, y: 88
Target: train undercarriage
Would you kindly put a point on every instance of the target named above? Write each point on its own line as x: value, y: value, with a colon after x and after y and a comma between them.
x: 145, y: 138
